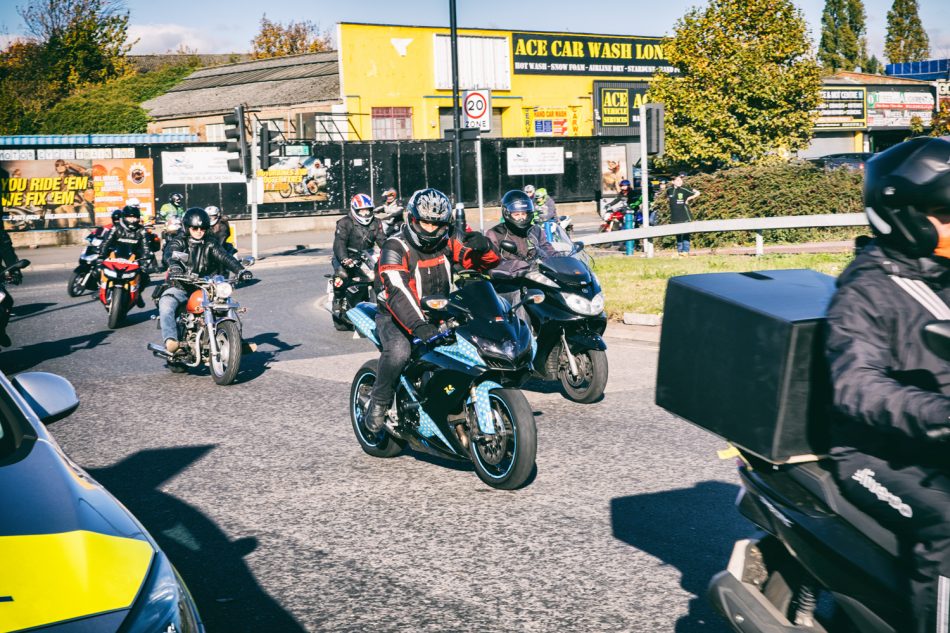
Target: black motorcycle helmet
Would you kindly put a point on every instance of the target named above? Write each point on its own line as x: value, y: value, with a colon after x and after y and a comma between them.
x: 196, y: 217
x: 516, y: 201
x: 131, y: 216
x: 176, y: 199
x: 903, y: 186
x: 428, y: 205
x: 116, y: 216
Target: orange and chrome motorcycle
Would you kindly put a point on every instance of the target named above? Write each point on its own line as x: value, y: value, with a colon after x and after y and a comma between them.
x: 119, y: 286
x: 209, y: 329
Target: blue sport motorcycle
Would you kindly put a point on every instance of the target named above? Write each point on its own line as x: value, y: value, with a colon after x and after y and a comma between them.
x: 449, y: 400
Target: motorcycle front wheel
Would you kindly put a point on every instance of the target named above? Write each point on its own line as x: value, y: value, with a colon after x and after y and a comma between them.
x: 286, y: 191
x: 591, y: 379
x: 76, y: 287
x: 381, y: 443
x: 505, y: 460
x: 119, y: 307
x: 224, y: 368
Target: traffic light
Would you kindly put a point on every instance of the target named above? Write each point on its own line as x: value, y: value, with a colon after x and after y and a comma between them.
x: 655, y: 130
x: 265, y: 138
x: 237, y: 141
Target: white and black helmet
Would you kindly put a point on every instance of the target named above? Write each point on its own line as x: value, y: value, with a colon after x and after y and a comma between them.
x: 214, y: 213
x: 431, y: 206
x: 903, y: 186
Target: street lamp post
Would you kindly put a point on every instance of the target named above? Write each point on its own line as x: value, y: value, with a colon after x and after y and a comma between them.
x: 456, y: 140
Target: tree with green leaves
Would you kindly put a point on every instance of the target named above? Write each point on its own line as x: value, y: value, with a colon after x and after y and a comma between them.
x: 747, y: 86
x: 906, y: 39
x: 940, y: 124
x: 277, y: 40
x: 843, y: 35
x: 874, y: 66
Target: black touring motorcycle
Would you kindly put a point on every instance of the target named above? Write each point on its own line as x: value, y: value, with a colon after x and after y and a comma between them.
x: 450, y: 400
x: 742, y: 355
x: 570, y: 322
x: 9, y: 275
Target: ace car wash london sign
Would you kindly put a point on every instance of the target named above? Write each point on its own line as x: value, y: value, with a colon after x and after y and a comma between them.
x: 593, y: 55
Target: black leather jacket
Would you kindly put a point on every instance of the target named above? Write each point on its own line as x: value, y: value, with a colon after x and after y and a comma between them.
x: 205, y: 257
x: 126, y: 241
x: 350, y: 234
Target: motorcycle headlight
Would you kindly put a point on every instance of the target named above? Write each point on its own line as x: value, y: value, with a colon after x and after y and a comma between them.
x: 223, y: 290
x: 540, y: 278
x: 108, y: 272
x: 581, y: 305
x: 164, y: 603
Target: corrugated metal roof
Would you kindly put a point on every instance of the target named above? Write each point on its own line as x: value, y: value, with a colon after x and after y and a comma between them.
x: 273, y: 62
x: 96, y: 139
x: 255, y: 75
x: 870, y: 80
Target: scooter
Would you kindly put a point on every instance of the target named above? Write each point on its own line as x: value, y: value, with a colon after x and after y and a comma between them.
x: 357, y: 287
x: 818, y: 564
x: 569, y: 323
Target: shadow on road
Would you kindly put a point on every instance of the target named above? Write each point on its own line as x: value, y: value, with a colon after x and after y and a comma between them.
x: 269, y: 347
x: 29, y: 308
x: 212, y: 565
x: 691, y: 529
x: 22, y: 358
x: 140, y: 315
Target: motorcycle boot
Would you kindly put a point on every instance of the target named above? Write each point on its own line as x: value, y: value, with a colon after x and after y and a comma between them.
x: 376, y: 416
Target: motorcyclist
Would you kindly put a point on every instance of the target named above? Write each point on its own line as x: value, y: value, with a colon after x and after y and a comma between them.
x: 529, y: 191
x: 544, y: 205
x: 359, y: 231
x: 415, y: 263
x: 517, y: 215
x: 172, y: 207
x: 128, y: 235
x: 391, y: 212
x: 220, y: 228
x: 627, y: 197
x: 891, y: 394
x: 205, y: 257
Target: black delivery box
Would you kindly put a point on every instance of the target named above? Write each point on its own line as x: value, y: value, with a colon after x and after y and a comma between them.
x: 742, y: 356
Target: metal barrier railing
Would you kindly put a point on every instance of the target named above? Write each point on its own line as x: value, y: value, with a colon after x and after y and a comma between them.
x: 758, y: 225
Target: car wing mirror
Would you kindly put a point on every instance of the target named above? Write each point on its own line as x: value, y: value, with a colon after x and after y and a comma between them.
x: 50, y: 396
x: 937, y: 338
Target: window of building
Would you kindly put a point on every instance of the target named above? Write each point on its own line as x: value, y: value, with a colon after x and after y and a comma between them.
x: 184, y: 129
x: 214, y: 132
x: 276, y: 125
x: 484, y: 62
x: 391, y: 124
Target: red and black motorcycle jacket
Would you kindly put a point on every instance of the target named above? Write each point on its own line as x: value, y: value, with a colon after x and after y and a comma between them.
x: 407, y: 274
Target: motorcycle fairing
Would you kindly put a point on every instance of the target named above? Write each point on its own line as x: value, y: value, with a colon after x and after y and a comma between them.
x: 365, y: 324
x: 463, y: 351
x: 582, y: 341
x: 427, y: 426
x: 486, y: 422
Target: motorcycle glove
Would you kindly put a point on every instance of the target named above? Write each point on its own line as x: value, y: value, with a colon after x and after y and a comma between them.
x: 425, y: 332
x: 15, y: 277
x: 349, y: 263
x: 477, y: 242
x: 244, y: 275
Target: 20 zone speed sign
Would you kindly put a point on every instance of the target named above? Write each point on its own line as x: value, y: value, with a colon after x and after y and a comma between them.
x: 476, y: 106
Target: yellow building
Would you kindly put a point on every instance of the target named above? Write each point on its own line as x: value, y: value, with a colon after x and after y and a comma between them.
x: 396, y: 81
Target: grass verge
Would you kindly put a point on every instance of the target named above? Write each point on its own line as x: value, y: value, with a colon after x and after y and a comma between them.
x: 634, y: 284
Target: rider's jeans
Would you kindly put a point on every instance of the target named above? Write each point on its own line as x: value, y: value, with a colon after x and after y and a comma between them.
x: 396, y: 350
x: 167, y: 305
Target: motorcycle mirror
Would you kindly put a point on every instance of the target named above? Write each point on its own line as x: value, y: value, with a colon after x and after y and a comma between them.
x: 937, y: 338
x: 249, y: 261
x: 534, y: 296
x: 508, y: 246
x: 578, y: 247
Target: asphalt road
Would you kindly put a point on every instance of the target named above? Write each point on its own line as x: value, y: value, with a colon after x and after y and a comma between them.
x: 276, y: 519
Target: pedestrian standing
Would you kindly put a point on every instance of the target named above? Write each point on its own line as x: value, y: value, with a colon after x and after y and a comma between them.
x: 679, y: 197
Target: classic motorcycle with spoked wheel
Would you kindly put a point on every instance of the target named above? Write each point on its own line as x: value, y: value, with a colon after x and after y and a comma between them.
x: 450, y: 400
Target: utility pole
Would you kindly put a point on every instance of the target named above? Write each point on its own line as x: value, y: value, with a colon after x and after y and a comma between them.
x: 457, y: 137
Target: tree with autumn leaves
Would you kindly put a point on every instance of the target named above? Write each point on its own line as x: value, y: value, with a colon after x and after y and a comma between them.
x: 747, y: 85
x: 277, y: 40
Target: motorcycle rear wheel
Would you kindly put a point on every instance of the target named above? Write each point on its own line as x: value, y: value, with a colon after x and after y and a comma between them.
x: 507, y: 460
x: 286, y: 191
x: 225, y: 369
x: 588, y: 386
x: 119, y: 307
x: 381, y: 443
x: 76, y: 287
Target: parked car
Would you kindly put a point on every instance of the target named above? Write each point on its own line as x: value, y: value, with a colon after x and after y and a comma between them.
x: 74, y: 559
x: 853, y: 161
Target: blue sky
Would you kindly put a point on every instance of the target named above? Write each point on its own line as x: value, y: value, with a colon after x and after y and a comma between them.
x: 218, y: 26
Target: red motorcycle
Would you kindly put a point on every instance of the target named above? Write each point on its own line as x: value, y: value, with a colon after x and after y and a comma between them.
x: 612, y: 218
x: 119, y: 286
